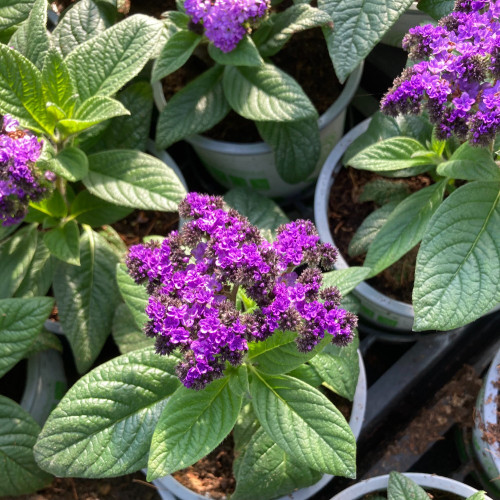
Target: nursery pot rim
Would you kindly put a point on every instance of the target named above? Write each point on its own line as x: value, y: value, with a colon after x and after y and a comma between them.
x: 170, y: 489
x: 261, y: 147
x: 433, y: 481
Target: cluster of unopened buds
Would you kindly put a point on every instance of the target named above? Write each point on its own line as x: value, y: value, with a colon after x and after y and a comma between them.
x: 20, y: 179
x: 217, y: 285
x: 225, y: 22
x: 456, y: 78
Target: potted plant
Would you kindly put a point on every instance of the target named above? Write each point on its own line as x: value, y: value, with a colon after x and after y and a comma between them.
x: 459, y: 148
x: 409, y: 485
x: 241, y: 76
x: 247, y: 347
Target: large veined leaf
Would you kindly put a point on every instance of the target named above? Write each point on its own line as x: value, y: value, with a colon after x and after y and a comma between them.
x: 88, y: 209
x: 192, y: 424
x: 103, y: 64
x: 196, y: 108
x: 86, y: 297
x: 134, y: 179
x: 358, y: 26
x: 18, y: 433
x: 32, y: 39
x: 80, y: 23
x: 13, y: 12
x: 103, y: 425
x: 21, y: 92
x: 20, y: 322
x: 436, y: 8
x: 404, y: 227
x: 345, y: 279
x: 16, y: 254
x: 265, y: 471
x: 292, y: 20
x: 71, y: 163
x: 296, y: 146
x: 63, y: 242
x: 402, y: 488
x: 457, y: 278
x: 293, y: 413
x: 244, y: 54
x: 382, y: 191
x: 135, y: 296
x: 260, y: 211
x: 126, y: 334
x: 266, y: 93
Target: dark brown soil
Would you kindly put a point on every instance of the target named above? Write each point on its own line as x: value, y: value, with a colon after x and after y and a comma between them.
x: 130, y: 487
x: 346, y: 213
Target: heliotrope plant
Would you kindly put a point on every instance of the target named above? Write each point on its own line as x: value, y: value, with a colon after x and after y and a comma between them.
x: 455, y: 82
x: 245, y: 331
x: 236, y: 39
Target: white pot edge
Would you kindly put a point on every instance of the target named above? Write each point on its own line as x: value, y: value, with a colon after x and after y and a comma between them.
x: 373, y: 484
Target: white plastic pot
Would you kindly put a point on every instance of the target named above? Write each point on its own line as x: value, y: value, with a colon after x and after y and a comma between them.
x: 486, y: 412
x: 427, y: 481
x: 409, y: 19
x: 170, y: 489
x: 252, y: 165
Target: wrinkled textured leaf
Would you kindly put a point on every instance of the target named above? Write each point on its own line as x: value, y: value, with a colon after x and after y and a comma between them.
x: 18, y: 433
x: 127, y: 335
x: 436, y: 8
x: 134, y: 179
x: 44, y: 341
x: 196, y: 108
x: 13, y: 12
x: 135, y: 296
x: 307, y: 374
x: 71, y: 163
x: 64, y: 242
x: 87, y: 297
x: 266, y: 94
x: 457, y: 278
x: 103, y: 425
x: 292, y: 413
x: 244, y: 54
x: 20, y: 322
x: 345, y: 279
x: 382, y: 191
x: 88, y: 209
x: 192, y: 424
x: 402, y: 488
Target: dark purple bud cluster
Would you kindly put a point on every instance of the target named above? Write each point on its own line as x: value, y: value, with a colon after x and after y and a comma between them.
x: 457, y: 77
x: 218, y: 284
x: 20, y: 180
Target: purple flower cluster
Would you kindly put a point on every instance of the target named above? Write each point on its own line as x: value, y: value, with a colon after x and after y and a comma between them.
x: 225, y: 21
x: 218, y: 284
x: 457, y: 77
x: 20, y: 180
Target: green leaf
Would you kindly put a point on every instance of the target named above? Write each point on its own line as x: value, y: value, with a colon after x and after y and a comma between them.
x: 307, y: 374
x: 401, y: 487
x: 64, y: 242
x: 345, y: 279
x: 471, y: 164
x: 56, y: 83
x: 88, y: 209
x: 80, y: 23
x: 292, y: 20
x: 369, y: 228
x: 480, y: 495
x: 244, y: 54
x: 296, y: 146
x: 260, y: 211
x: 94, y: 110
x: 20, y: 322
x: 245, y: 427
x: 339, y: 368
x: 404, y: 228
x: 238, y: 380
x: 103, y: 425
x: 175, y: 53
x: 127, y: 335
x: 436, y: 8
x: 71, y: 163
x: 135, y: 296
x: 44, y: 341
x: 54, y: 206
x: 457, y: 278
x: 265, y: 471
x: 266, y: 94
x: 395, y: 153
x: 120, y: 52
x: 21, y: 91
x: 32, y: 39
x: 382, y: 191
x: 359, y: 25
x: 18, y: 433
x: 6, y: 231
x: 16, y: 255
x: 115, y: 241
x: 292, y: 412
x: 38, y: 278
x: 14, y: 12
x: 134, y: 179
x: 86, y: 297
x: 196, y: 108
x: 192, y: 424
